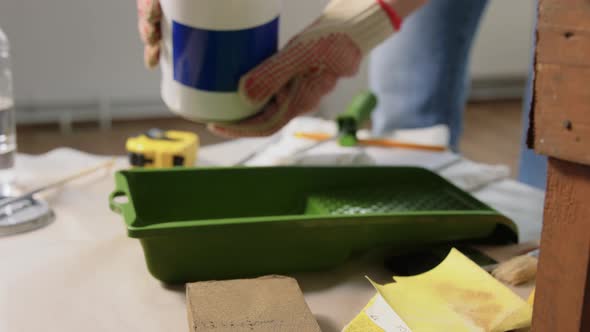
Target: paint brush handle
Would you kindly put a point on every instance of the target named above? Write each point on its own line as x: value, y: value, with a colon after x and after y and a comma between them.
x: 384, y: 143
x: 387, y: 143
x: 58, y: 183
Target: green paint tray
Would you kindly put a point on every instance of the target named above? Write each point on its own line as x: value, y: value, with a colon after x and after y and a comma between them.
x: 220, y: 223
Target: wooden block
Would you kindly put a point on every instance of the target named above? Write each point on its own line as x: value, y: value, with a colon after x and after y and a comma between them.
x: 562, y: 301
x: 272, y: 303
x: 561, y: 121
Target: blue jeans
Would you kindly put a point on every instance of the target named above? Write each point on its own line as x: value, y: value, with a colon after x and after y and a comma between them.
x: 533, y: 167
x: 421, y: 75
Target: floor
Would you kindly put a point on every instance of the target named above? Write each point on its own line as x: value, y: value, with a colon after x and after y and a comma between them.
x: 492, y: 134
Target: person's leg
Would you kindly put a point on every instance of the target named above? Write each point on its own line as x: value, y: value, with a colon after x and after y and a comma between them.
x: 533, y: 167
x: 421, y: 74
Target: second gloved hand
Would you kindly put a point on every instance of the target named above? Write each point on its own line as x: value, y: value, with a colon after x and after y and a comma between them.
x: 293, y: 81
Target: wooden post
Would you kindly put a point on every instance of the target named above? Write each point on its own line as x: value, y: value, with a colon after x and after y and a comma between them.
x: 560, y: 128
x: 563, y: 282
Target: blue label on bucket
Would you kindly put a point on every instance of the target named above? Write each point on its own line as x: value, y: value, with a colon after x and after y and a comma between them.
x: 215, y: 60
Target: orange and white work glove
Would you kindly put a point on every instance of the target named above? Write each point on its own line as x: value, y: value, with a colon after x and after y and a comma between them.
x: 149, y: 15
x: 293, y: 81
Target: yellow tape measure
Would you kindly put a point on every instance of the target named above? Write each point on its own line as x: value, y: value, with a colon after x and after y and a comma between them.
x: 162, y: 149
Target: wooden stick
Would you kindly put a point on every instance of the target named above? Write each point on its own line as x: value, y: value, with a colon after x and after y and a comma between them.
x: 387, y: 143
x: 58, y: 183
x: 314, y: 136
x: 384, y: 143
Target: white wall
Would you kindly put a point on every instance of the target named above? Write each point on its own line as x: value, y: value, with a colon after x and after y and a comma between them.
x: 75, y: 50
x: 503, y: 47
x: 78, y: 50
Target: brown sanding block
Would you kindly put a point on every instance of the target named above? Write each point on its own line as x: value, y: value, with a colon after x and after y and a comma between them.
x: 272, y: 303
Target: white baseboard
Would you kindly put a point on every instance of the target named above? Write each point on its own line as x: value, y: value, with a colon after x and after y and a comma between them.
x: 497, y: 88
x: 105, y: 111
x: 91, y: 110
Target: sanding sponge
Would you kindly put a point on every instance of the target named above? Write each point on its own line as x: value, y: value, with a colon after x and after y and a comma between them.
x: 272, y: 303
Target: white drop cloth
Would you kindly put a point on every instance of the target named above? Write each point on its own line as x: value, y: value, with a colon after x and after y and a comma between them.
x: 82, y: 273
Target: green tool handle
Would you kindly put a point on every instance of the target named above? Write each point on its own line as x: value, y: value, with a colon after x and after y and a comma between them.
x: 360, y: 109
x: 358, y: 112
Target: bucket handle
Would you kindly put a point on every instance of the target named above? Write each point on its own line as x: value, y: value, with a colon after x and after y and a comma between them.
x: 118, y: 200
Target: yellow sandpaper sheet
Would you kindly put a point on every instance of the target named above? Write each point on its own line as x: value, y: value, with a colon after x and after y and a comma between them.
x: 455, y: 296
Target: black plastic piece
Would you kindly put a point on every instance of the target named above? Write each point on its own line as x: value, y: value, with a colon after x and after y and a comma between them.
x: 420, y: 261
x: 139, y: 160
x: 178, y: 161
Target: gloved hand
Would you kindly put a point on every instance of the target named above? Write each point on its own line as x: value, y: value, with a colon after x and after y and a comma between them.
x: 149, y: 15
x: 293, y: 81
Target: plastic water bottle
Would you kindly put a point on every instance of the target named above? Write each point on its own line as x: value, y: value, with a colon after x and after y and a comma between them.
x: 7, y: 117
